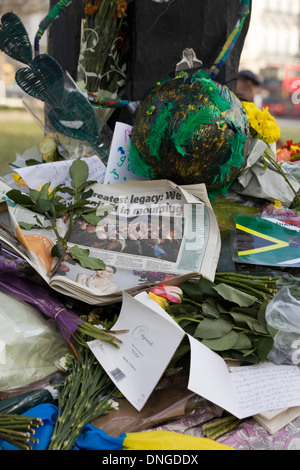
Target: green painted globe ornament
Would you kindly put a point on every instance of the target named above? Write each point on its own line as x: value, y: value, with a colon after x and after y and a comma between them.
x: 190, y: 129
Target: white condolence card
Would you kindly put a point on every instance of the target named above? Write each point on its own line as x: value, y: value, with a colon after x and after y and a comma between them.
x: 144, y: 354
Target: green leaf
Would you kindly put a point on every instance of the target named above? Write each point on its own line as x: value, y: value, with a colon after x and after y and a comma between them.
x: 183, y: 309
x: 261, y: 314
x: 104, y: 210
x: 34, y: 194
x: 251, y: 311
x: 243, y: 343
x: 263, y: 348
x: 44, y: 191
x: 198, y: 290
x: 19, y: 198
x: 38, y: 221
x: 234, y: 295
x: 272, y: 331
x: 78, y: 205
x: 227, y: 341
x: 91, y: 218
x: 60, y: 209
x: 56, y: 251
x: 32, y: 161
x: 27, y: 226
x: 65, y: 189
x: 42, y: 206
x: 209, y: 308
x: 82, y: 255
x: 213, y: 328
x: 79, y: 172
x: 250, y: 322
x: 245, y: 358
x: 87, y: 194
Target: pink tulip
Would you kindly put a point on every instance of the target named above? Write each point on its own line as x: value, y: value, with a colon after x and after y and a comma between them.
x: 172, y: 293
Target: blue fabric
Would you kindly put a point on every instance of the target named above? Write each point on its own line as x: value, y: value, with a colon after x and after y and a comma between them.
x: 48, y: 414
x: 91, y: 437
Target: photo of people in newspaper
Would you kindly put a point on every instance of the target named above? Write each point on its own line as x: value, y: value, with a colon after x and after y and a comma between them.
x: 135, y: 235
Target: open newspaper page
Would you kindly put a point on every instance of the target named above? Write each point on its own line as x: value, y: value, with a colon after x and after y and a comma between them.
x: 33, y: 245
x: 155, y: 232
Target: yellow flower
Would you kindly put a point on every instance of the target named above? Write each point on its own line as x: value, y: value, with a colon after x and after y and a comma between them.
x: 49, y: 189
x: 262, y: 122
x: 48, y: 149
x: 121, y: 8
x: 18, y: 179
x: 91, y: 8
x: 162, y: 301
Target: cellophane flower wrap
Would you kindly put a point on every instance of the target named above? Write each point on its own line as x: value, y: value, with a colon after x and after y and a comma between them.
x: 41, y: 297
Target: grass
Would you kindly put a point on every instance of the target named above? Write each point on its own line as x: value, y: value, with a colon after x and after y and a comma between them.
x: 16, y: 135
x: 290, y: 134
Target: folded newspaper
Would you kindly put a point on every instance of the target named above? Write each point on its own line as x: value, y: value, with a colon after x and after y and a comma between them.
x: 155, y: 232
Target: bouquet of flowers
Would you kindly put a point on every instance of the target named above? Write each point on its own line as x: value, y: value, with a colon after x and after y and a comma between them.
x: 290, y: 152
x: 104, y: 48
x: 262, y: 124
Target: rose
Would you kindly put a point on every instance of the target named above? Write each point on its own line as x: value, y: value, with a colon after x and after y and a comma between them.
x: 171, y: 293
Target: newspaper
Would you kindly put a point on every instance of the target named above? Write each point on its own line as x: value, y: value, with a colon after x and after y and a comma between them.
x: 155, y: 231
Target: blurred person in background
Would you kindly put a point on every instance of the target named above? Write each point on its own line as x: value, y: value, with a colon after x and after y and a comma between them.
x: 247, y: 88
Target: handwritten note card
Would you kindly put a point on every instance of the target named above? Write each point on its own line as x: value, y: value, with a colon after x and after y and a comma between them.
x: 265, y: 386
x: 118, y: 166
x: 246, y: 390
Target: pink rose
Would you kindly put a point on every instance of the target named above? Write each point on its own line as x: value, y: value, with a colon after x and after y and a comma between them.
x: 171, y: 293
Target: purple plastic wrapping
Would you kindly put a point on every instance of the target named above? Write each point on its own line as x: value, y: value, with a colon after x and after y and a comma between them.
x: 44, y: 300
x: 13, y: 264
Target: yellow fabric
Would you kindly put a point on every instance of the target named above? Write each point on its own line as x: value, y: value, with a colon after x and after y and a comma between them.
x: 168, y: 440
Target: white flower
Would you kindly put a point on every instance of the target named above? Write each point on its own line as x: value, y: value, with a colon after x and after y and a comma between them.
x: 63, y: 362
x: 114, y: 405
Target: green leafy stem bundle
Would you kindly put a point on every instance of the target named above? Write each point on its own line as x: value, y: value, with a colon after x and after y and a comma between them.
x: 53, y: 206
x: 227, y: 315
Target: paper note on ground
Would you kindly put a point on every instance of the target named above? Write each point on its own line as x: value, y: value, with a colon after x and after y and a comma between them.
x: 57, y: 173
x: 146, y: 350
x: 246, y: 390
x: 118, y: 168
